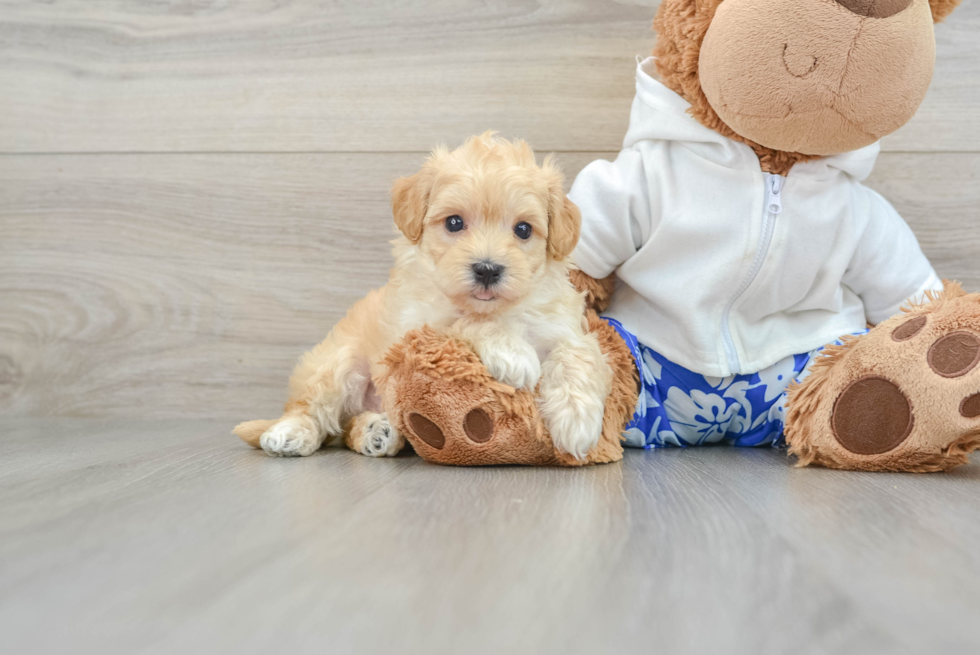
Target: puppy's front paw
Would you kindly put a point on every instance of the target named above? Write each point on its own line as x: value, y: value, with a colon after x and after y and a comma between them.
x: 512, y: 362
x: 291, y: 437
x: 572, y: 397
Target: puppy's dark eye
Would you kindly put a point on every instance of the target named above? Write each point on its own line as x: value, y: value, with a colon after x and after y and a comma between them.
x: 455, y: 224
x: 523, y: 230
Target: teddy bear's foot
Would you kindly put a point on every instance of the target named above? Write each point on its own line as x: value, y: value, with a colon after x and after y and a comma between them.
x: 904, y: 397
x: 442, y: 399
x: 464, y: 436
x: 452, y: 411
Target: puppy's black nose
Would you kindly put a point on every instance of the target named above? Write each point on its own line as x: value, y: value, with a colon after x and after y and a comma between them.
x: 487, y: 273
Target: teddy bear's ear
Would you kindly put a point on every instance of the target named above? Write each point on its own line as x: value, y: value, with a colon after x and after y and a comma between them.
x: 942, y: 8
x: 705, y: 6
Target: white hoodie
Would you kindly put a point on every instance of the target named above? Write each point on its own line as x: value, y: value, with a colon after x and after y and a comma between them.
x: 724, y: 269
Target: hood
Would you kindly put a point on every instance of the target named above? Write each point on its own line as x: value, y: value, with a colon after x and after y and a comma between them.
x: 659, y: 114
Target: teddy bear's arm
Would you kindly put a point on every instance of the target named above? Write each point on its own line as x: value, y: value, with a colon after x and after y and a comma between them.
x: 598, y: 293
x: 942, y: 8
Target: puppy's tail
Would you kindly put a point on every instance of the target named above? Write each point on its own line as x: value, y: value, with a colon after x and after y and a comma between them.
x: 251, y: 431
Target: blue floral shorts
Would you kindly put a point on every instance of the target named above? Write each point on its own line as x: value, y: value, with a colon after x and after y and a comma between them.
x: 678, y: 407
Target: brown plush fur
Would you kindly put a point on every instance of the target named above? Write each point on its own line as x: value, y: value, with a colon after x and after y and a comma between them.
x: 598, y: 293
x: 439, y: 378
x: 943, y: 8
x: 940, y: 439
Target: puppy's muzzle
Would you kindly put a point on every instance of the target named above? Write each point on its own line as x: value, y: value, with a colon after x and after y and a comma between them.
x: 487, y: 274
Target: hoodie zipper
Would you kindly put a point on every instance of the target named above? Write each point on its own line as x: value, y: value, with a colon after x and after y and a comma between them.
x: 772, y: 209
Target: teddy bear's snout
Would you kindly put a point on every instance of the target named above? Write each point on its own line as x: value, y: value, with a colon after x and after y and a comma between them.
x: 817, y: 77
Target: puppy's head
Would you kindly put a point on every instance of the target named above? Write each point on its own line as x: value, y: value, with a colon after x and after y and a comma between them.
x: 490, y: 220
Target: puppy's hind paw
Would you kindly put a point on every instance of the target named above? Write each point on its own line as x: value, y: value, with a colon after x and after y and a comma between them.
x: 373, y: 435
x: 291, y: 437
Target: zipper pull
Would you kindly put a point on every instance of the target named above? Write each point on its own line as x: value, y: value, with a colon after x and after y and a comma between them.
x: 775, y: 199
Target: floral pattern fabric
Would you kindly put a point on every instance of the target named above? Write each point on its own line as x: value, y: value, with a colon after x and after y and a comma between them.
x: 678, y: 407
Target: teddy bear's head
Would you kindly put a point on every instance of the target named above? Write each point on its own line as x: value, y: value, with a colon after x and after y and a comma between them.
x: 799, y: 79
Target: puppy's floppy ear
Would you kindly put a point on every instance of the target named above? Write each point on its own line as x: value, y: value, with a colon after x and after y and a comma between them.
x: 564, y: 217
x: 410, y: 202
x: 942, y: 8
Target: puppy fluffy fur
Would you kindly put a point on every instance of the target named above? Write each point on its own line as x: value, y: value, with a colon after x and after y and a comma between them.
x: 525, y: 321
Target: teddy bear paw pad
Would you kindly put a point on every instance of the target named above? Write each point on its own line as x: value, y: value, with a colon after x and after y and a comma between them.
x: 478, y: 426
x: 427, y: 431
x: 871, y: 416
x: 970, y: 407
x: 954, y: 355
x: 453, y: 433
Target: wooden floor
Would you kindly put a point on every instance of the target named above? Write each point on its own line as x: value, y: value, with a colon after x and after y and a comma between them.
x: 173, y: 537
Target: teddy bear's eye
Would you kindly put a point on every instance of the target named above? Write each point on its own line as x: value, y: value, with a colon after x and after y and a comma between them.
x: 523, y: 230
x: 455, y: 223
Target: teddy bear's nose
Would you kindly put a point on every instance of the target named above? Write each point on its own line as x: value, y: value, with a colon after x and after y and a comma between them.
x: 875, y: 8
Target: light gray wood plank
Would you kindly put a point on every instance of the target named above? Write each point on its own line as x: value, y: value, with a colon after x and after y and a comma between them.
x: 105, y: 75
x: 169, y: 286
x: 886, y: 538
x: 942, y: 122
x: 172, y: 536
x: 126, y: 275
x: 297, y: 76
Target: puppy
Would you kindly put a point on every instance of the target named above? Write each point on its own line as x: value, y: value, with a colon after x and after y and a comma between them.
x: 486, y: 235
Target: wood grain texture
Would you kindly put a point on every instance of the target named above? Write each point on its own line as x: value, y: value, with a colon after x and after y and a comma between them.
x: 939, y: 196
x: 171, y: 536
x: 169, y: 286
x: 136, y: 275
x: 383, y: 75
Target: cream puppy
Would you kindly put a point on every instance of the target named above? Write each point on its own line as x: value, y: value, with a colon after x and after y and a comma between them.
x: 486, y: 235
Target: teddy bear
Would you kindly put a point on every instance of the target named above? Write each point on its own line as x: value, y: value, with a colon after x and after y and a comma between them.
x: 752, y: 290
